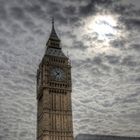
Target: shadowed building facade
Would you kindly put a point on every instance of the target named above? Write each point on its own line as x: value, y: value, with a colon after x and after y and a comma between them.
x: 104, y: 137
x: 54, y: 110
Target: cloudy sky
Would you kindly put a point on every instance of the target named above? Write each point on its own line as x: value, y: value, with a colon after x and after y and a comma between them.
x: 102, y: 38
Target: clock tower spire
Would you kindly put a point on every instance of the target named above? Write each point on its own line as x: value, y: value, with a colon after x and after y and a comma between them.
x: 54, y: 109
x: 53, y: 40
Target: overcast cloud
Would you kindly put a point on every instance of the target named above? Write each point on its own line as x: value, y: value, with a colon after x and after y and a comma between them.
x: 106, y: 84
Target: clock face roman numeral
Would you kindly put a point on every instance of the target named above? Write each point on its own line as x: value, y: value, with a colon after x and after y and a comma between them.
x: 58, y: 74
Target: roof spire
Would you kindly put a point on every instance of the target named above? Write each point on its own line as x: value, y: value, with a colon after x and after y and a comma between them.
x: 53, y: 41
x: 53, y: 22
x: 53, y: 34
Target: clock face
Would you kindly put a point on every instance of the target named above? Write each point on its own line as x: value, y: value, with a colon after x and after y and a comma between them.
x: 58, y: 74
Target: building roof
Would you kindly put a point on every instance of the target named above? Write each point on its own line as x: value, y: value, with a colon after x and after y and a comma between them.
x: 104, y: 137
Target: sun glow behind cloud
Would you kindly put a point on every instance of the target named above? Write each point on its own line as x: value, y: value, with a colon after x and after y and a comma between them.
x: 104, y: 26
x: 102, y: 29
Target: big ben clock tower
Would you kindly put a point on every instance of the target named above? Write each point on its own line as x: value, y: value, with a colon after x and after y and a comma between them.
x: 54, y: 110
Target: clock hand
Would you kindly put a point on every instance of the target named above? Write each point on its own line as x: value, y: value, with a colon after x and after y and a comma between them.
x: 57, y: 73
